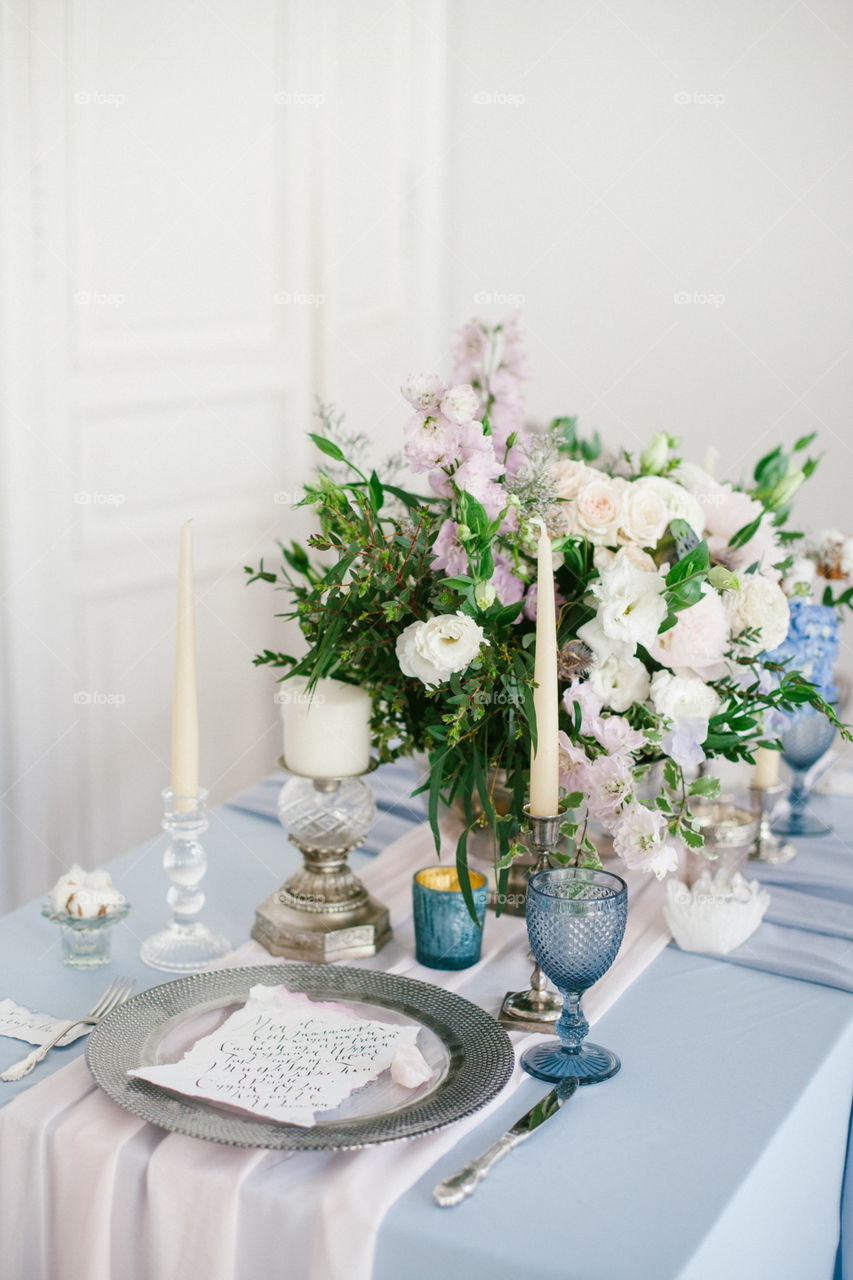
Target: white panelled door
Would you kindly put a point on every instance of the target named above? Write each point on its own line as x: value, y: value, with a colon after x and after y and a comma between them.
x: 211, y: 212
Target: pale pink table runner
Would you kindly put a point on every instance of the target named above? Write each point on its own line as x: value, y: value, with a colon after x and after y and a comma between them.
x: 89, y: 1192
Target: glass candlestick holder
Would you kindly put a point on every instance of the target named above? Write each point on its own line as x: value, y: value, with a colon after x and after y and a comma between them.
x: 539, y: 1007
x: 185, y: 945
x: 323, y: 911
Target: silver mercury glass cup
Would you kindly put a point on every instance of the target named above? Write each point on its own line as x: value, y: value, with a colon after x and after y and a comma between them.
x: 537, y: 1008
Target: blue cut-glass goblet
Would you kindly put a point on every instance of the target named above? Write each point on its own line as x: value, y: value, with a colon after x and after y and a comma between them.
x: 803, y: 743
x: 575, y: 921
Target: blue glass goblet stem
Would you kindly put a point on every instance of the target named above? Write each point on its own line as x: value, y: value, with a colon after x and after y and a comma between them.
x: 803, y: 743
x: 576, y: 921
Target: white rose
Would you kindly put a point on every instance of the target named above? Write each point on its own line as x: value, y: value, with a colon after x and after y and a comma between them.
x: 683, y: 697
x: 423, y: 391
x: 460, y: 404
x: 597, y: 509
x: 568, y: 474
x: 759, y: 605
x: 645, y: 515
x: 620, y: 682
x: 631, y: 607
x: 431, y: 651
x: 680, y: 504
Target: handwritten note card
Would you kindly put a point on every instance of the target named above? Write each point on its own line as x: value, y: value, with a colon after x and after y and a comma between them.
x: 287, y: 1057
x: 35, y: 1028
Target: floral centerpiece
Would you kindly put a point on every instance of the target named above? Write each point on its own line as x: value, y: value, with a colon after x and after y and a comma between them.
x: 670, y: 610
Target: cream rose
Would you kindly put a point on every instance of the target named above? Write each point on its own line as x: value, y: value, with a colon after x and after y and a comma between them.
x: 759, y: 605
x: 431, y: 651
x: 679, y: 503
x: 597, y: 509
x: 568, y: 474
x: 644, y: 517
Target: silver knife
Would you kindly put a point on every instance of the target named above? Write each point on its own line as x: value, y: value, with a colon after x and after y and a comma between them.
x: 462, y: 1184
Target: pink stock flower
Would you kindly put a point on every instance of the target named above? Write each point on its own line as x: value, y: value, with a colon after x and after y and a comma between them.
x: 431, y: 441
x: 639, y: 837
x: 509, y: 588
x: 617, y: 737
x: 609, y: 783
x: 423, y: 391
x: 573, y: 764
x: 460, y: 404
x: 448, y: 553
x: 582, y: 693
x: 469, y: 350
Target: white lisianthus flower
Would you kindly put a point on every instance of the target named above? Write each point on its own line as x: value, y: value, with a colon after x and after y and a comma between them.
x: 460, y: 404
x: 431, y: 651
x: 683, y: 697
x: 620, y: 682
x: 639, y: 837
x: 423, y: 391
x: 679, y: 503
x: 597, y: 509
x: 759, y: 605
x: 645, y: 515
x: 631, y: 605
x: 603, y: 646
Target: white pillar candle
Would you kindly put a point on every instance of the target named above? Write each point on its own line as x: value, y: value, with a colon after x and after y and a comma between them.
x: 544, y: 762
x: 327, y: 731
x: 185, y: 701
x: 766, y: 768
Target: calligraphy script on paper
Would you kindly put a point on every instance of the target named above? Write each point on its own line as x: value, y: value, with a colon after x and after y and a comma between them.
x: 286, y: 1057
x: 35, y: 1028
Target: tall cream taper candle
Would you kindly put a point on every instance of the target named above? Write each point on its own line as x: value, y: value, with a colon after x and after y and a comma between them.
x: 185, y: 703
x: 544, y: 762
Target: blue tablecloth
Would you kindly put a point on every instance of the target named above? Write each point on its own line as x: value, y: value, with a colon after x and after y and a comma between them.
x: 719, y: 1150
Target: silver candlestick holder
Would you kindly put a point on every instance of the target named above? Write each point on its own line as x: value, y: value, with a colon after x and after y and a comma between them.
x: 323, y: 911
x: 767, y: 847
x: 537, y: 1008
x: 185, y: 945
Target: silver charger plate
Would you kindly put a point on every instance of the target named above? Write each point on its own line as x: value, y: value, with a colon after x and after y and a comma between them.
x: 470, y: 1055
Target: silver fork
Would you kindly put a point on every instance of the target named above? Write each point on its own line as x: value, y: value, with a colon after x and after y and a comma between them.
x: 116, y: 993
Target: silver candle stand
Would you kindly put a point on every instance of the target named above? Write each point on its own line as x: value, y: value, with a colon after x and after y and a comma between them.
x: 323, y: 912
x: 537, y: 1008
x: 768, y: 847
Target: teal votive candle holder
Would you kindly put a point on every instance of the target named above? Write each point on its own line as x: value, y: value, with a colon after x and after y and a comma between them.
x: 445, y: 935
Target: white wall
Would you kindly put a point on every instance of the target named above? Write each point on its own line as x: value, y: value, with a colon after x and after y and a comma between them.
x: 211, y: 212
x: 582, y: 181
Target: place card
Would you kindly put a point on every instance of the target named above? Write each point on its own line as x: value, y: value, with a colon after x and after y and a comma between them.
x: 287, y: 1057
x: 35, y: 1028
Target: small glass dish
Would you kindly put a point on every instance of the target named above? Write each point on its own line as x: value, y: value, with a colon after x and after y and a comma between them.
x: 85, y: 939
